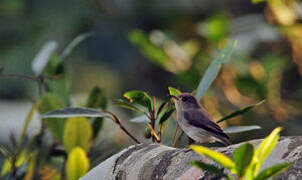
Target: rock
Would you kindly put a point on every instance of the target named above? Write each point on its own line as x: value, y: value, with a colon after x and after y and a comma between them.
x: 155, y: 161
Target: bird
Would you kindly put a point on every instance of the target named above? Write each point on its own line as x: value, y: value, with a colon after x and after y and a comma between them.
x: 194, y: 120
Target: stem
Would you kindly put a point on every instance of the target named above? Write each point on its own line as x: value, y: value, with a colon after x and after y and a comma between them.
x: 152, y: 118
x: 118, y: 121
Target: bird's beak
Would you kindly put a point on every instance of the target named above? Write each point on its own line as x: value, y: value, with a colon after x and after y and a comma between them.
x: 174, y: 97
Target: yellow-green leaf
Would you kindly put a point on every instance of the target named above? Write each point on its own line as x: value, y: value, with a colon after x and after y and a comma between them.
x: 7, y: 165
x: 49, y: 102
x: 139, y: 97
x: 216, y: 156
x: 77, y: 164
x: 77, y: 132
x: 173, y: 91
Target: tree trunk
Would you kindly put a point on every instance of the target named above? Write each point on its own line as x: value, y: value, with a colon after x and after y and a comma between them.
x: 155, y: 161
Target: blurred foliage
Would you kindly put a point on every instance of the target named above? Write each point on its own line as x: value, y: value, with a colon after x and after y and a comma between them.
x: 177, y: 44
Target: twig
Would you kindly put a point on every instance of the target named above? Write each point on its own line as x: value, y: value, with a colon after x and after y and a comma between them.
x: 152, y: 120
x: 118, y: 121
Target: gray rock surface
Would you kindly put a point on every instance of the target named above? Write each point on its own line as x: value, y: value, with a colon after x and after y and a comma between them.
x: 155, y: 161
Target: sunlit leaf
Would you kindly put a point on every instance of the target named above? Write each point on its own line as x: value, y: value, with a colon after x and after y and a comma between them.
x: 7, y: 165
x: 76, y: 41
x: 273, y: 171
x: 123, y: 104
x: 265, y: 148
x: 173, y: 91
x: 216, y: 156
x: 140, y: 119
x: 212, y: 71
x: 78, y: 132
x: 239, y: 129
x: 49, y: 102
x: 75, y: 112
x: 139, y: 97
x: 42, y: 58
x: 77, y: 164
x: 240, y: 111
x: 243, y: 156
x: 97, y: 99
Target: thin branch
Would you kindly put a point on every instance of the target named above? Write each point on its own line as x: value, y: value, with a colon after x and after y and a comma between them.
x: 118, y: 121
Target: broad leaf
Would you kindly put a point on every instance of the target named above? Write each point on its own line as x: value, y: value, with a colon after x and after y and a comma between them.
x: 139, y: 97
x: 207, y: 167
x: 212, y: 71
x: 240, y: 111
x: 123, y: 104
x: 49, y: 102
x: 97, y: 99
x: 78, y: 132
x: 273, y: 171
x: 173, y: 91
x: 74, y: 43
x: 239, y: 129
x: 140, y: 119
x: 42, y: 58
x: 75, y: 112
x: 242, y: 157
x: 216, y: 156
x: 77, y: 164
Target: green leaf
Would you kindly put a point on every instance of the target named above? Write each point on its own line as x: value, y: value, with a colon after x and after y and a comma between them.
x: 216, y: 156
x: 74, y: 43
x: 49, y: 102
x: 78, y: 132
x: 213, y: 69
x: 75, y: 112
x: 273, y: 171
x: 161, y: 107
x: 163, y: 119
x: 264, y: 149
x: 58, y: 82
x: 139, y: 97
x: 123, y: 104
x: 173, y: 91
x: 258, y: 1
x: 7, y: 165
x: 240, y: 111
x: 97, y: 99
x: 239, y: 129
x: 207, y: 167
x: 77, y: 164
x: 243, y: 156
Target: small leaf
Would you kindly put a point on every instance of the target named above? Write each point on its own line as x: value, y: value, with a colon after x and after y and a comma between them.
x: 163, y: 119
x: 216, y: 156
x: 140, y: 119
x: 49, y: 102
x: 42, y: 58
x: 239, y: 129
x: 243, y: 156
x: 7, y: 165
x: 78, y: 132
x: 207, y: 167
x: 148, y: 133
x: 240, y: 111
x: 139, y: 97
x: 212, y: 71
x: 161, y: 107
x: 273, y: 171
x: 77, y: 164
x: 74, y: 43
x: 97, y: 99
x: 123, y: 104
x: 173, y: 91
x: 75, y: 112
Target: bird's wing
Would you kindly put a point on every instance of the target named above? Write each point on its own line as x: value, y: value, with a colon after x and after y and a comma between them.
x: 201, y: 119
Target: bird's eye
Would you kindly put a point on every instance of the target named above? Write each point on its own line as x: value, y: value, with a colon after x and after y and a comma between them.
x: 184, y: 99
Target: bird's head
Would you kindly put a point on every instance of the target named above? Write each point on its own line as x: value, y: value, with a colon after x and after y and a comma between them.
x: 186, y: 101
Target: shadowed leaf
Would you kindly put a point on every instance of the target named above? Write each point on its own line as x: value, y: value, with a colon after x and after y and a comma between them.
x: 240, y: 111
x: 239, y: 129
x: 212, y: 71
x: 123, y: 104
x: 75, y: 112
x: 207, y: 167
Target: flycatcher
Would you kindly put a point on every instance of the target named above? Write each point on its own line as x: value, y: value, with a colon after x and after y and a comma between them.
x: 196, y: 122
